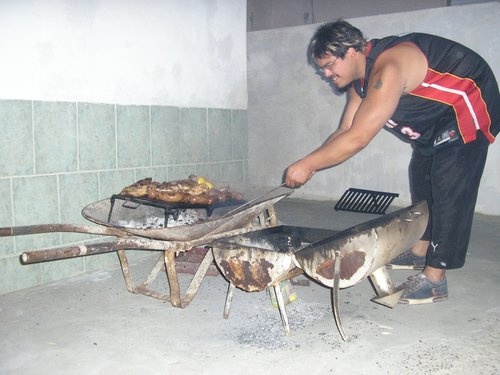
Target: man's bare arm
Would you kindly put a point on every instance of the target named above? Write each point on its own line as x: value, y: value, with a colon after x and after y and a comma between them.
x: 397, y: 71
x: 353, y: 102
x: 380, y: 103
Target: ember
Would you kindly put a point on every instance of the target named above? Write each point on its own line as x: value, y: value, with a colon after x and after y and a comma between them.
x: 183, y: 217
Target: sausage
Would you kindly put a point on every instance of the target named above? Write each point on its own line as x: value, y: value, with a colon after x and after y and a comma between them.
x: 152, y: 192
x: 170, y: 196
x: 201, y: 199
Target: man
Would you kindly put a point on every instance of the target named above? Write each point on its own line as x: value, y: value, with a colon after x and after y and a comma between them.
x: 434, y: 93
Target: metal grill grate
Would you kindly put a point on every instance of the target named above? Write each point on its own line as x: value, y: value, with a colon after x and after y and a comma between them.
x: 365, y: 201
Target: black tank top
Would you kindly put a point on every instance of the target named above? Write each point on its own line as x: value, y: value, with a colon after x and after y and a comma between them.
x: 458, y: 97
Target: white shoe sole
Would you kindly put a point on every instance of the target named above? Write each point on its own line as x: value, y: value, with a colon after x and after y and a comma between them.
x: 422, y: 301
x: 404, y: 267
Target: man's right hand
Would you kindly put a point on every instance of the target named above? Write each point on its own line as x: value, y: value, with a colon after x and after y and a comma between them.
x: 298, y: 174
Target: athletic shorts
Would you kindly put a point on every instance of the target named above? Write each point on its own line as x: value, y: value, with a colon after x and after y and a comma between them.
x: 448, y: 179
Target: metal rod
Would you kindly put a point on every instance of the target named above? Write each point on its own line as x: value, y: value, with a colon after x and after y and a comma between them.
x: 335, y: 296
x: 173, y: 280
x: 36, y: 256
x: 282, y: 308
x: 229, y: 299
x: 154, y: 272
x: 29, y: 257
x: 129, y: 283
x: 49, y: 228
x: 195, y: 283
x: 254, y: 200
x: 152, y: 293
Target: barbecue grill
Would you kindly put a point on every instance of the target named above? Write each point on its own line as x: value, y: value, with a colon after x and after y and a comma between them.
x: 249, y: 247
x: 264, y: 258
x: 168, y: 240
x: 261, y: 259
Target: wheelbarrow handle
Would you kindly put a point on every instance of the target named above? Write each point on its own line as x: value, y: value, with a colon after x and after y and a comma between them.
x: 44, y: 255
x: 66, y: 252
x: 50, y: 228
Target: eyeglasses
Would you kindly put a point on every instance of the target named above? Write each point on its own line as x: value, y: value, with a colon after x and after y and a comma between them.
x: 328, y: 66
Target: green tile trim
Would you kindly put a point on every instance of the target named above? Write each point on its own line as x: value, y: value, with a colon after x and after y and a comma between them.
x: 55, y: 137
x: 16, y: 142
x: 96, y: 136
x: 77, y: 153
x: 219, y: 135
x: 133, y: 136
x: 194, y: 137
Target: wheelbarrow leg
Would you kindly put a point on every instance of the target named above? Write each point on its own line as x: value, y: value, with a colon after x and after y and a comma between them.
x: 229, y: 298
x: 282, y: 308
x: 195, y: 283
x: 153, y: 273
x: 129, y: 283
x: 173, y: 280
x: 335, y: 296
x: 387, y: 294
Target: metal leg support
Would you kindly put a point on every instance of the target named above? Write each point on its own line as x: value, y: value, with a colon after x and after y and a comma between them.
x: 154, y: 272
x: 195, y: 283
x: 282, y: 308
x: 229, y: 298
x: 126, y: 271
x: 387, y: 294
x: 173, y: 280
x: 335, y: 296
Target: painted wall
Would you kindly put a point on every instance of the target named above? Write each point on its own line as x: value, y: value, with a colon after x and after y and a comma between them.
x: 291, y: 110
x: 96, y: 95
x: 273, y: 14
x: 181, y: 53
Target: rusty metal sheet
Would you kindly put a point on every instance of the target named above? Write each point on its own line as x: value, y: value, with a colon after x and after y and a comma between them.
x: 253, y: 269
x: 365, y: 247
x: 256, y: 260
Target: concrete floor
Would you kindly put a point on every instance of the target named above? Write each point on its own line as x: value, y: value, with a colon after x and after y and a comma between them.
x: 90, y: 324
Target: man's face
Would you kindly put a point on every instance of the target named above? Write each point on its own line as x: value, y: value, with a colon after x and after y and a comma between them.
x: 334, y: 68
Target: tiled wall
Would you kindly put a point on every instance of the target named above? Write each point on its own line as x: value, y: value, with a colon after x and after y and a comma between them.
x: 56, y: 157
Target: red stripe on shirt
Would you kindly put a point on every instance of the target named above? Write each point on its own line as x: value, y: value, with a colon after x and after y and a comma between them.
x: 464, y: 114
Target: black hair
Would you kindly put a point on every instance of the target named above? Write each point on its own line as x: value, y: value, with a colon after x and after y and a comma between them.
x: 335, y: 38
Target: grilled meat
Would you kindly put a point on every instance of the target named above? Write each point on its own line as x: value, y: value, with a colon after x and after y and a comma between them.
x: 193, y: 190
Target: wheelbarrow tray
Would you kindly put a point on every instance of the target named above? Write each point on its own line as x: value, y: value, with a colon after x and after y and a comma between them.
x: 98, y: 213
x: 256, y: 260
